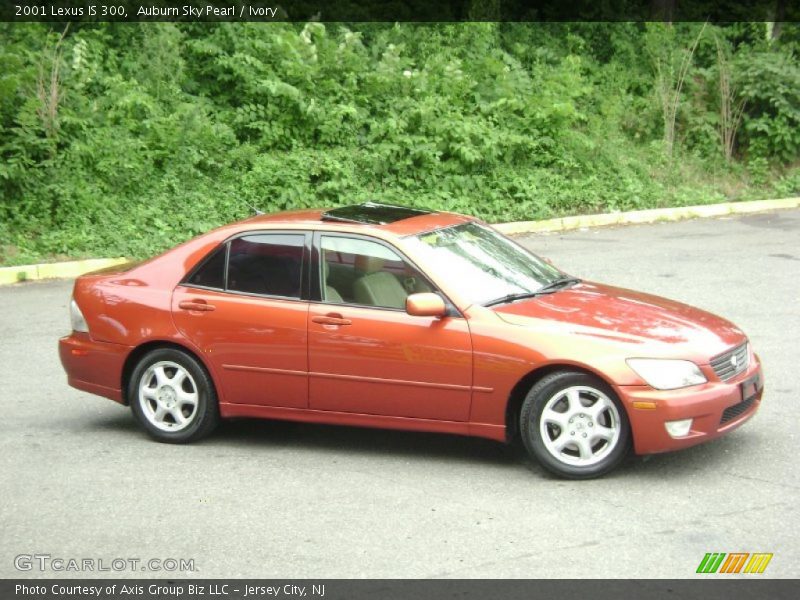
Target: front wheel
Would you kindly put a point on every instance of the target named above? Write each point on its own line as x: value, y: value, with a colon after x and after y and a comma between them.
x: 173, y: 397
x: 574, y: 425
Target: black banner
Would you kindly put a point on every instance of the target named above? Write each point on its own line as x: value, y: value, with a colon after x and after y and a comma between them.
x: 715, y: 11
x: 340, y: 589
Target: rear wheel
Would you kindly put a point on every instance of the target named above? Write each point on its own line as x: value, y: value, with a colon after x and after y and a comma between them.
x: 173, y: 397
x: 574, y: 425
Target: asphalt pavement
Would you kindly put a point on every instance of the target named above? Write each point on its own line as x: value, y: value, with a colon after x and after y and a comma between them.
x: 79, y: 480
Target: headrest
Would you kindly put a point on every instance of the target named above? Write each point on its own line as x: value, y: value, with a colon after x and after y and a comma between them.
x: 369, y: 264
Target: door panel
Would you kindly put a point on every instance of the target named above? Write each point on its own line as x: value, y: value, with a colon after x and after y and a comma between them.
x: 386, y: 362
x: 256, y: 345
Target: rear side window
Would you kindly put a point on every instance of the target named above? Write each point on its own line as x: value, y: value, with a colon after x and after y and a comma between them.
x: 211, y: 273
x: 269, y: 264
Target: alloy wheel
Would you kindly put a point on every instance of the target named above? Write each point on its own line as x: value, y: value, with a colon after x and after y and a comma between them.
x: 168, y: 396
x: 580, y: 426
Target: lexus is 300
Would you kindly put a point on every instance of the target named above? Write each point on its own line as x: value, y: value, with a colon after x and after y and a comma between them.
x: 386, y: 316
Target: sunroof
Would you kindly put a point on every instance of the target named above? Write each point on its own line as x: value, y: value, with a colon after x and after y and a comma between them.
x: 372, y: 213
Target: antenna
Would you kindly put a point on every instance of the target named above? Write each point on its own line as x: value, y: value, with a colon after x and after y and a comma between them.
x: 255, y: 210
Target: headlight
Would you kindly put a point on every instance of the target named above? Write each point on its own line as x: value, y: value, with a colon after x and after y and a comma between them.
x: 76, y: 317
x: 664, y: 374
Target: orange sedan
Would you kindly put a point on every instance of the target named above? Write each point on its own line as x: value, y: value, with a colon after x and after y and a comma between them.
x: 386, y: 316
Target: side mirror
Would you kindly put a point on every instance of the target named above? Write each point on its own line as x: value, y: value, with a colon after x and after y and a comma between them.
x: 426, y: 305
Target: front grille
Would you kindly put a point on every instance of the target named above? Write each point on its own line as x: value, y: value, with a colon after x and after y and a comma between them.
x: 737, y: 409
x: 729, y: 364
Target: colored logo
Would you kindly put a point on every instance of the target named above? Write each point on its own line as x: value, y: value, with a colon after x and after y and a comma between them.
x: 734, y: 562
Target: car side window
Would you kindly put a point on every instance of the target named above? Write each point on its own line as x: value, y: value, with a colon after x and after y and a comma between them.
x: 211, y: 273
x: 358, y: 271
x: 269, y: 264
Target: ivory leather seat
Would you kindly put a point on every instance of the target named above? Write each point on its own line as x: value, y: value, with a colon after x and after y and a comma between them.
x: 376, y: 287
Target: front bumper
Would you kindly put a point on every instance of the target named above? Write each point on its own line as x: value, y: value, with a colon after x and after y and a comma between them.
x: 715, y: 408
x: 91, y: 366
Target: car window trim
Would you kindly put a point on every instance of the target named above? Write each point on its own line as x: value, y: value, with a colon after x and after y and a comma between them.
x: 304, y: 265
x: 316, y: 273
x: 185, y: 281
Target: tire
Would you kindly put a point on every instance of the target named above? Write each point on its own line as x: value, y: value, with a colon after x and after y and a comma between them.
x: 574, y: 425
x: 173, y: 397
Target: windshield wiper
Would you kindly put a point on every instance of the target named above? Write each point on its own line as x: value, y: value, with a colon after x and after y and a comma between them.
x: 549, y: 288
x: 511, y: 298
x: 558, y: 284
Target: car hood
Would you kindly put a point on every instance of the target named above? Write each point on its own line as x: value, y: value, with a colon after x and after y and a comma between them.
x: 627, y: 316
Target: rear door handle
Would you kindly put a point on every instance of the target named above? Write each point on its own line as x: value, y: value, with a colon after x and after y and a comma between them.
x: 331, y: 320
x: 198, y: 305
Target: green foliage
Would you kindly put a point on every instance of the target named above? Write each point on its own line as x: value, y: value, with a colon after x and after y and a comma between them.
x: 161, y: 131
x: 770, y: 84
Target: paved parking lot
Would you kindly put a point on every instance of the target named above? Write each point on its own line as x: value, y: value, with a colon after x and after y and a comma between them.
x: 270, y: 499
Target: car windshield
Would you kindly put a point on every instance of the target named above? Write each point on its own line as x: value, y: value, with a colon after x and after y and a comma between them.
x: 481, y: 264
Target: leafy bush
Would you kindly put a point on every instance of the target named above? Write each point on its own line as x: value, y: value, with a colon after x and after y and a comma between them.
x: 770, y: 84
x: 119, y: 139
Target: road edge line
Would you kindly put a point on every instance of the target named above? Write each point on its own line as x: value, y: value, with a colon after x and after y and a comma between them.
x: 60, y: 270
x: 651, y: 215
x: 75, y: 268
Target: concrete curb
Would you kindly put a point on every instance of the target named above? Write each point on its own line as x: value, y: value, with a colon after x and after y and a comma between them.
x: 79, y: 267
x: 60, y: 270
x: 646, y: 216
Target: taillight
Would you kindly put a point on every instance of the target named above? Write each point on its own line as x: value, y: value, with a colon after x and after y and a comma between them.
x: 76, y: 318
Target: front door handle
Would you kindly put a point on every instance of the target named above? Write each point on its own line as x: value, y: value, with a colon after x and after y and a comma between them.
x: 331, y: 320
x: 198, y: 305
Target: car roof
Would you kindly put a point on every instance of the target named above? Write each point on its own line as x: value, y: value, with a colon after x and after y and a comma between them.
x: 169, y: 268
x: 370, y: 216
